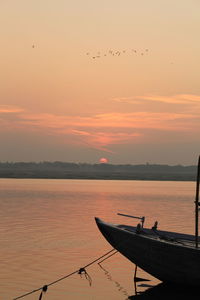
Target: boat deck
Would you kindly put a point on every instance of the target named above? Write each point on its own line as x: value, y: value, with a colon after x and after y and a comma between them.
x: 166, y: 236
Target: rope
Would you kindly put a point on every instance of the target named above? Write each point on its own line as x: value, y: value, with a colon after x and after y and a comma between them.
x: 107, y: 257
x: 79, y: 271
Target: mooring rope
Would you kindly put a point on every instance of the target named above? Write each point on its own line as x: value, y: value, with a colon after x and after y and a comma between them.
x: 79, y: 271
x: 108, y: 256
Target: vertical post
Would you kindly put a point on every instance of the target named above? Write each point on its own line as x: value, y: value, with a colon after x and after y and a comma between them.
x: 142, y: 221
x: 197, y: 205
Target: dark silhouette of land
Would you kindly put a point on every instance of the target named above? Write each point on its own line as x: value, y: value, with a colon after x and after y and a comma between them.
x: 66, y: 170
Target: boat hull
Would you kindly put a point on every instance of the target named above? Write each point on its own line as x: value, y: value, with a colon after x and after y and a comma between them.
x: 167, y: 261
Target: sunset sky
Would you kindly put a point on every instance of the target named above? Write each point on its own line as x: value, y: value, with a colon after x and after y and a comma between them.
x: 85, y: 80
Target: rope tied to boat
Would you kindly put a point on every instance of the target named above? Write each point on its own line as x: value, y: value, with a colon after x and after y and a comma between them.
x: 85, y: 273
x: 79, y: 271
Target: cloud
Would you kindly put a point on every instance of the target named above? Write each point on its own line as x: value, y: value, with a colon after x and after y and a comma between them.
x: 101, y: 139
x: 84, y: 126
x: 80, y: 132
x: 188, y: 99
x: 95, y: 131
x: 176, y: 99
x: 105, y: 130
x: 6, y: 109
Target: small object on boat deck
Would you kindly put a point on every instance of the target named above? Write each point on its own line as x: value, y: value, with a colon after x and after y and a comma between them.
x: 155, y: 226
x: 138, y: 228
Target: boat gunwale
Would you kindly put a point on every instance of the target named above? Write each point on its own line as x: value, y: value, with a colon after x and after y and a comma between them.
x: 179, y: 239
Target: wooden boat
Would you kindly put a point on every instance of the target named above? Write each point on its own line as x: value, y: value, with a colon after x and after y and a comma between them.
x: 168, y: 256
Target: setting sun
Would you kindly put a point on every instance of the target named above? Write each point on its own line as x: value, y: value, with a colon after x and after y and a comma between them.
x: 103, y: 160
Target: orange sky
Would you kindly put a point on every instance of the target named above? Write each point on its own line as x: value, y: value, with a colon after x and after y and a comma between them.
x: 91, y: 79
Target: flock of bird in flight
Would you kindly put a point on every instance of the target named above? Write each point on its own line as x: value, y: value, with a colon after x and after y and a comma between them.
x: 117, y: 53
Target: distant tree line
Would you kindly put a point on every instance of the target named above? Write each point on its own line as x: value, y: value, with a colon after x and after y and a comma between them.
x: 66, y: 170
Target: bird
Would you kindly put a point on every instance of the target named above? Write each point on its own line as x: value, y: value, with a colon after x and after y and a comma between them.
x: 110, y: 52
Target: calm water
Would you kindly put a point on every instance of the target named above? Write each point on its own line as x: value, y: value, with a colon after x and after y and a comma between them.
x: 47, y: 230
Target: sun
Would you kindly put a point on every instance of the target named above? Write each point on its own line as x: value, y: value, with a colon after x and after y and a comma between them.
x: 103, y: 160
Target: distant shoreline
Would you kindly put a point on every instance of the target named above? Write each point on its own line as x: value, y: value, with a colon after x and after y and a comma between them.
x: 106, y: 179
x: 62, y: 170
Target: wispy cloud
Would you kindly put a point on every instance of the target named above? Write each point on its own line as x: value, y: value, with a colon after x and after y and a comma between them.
x: 84, y: 126
x: 102, y: 139
x: 6, y: 109
x: 103, y: 131
x: 175, y: 99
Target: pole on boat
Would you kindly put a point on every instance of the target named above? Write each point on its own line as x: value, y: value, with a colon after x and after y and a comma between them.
x: 197, y: 205
x: 129, y: 216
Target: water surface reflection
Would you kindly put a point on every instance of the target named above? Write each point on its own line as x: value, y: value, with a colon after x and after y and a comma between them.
x: 47, y: 230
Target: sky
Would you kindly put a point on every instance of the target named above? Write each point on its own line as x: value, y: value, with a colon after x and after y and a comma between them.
x: 85, y: 80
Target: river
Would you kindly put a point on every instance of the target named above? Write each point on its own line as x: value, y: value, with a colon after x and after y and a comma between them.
x: 47, y: 230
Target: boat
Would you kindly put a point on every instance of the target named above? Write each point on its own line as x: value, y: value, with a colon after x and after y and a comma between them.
x: 169, y: 256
